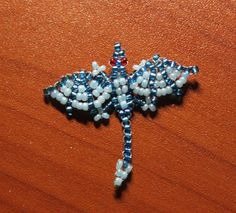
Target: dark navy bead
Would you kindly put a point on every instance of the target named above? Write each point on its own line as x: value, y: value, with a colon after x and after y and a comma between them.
x: 69, y: 110
x: 179, y: 92
x: 128, y: 144
x: 47, y: 92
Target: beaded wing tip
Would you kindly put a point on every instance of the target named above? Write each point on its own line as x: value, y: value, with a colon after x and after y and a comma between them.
x: 100, y: 94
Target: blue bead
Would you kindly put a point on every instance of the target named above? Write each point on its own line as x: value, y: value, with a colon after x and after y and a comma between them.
x: 148, y: 64
x: 179, y: 68
x: 122, y: 53
x: 128, y: 158
x: 155, y: 57
x: 172, y: 64
x: 118, y: 63
x: 117, y: 46
x: 194, y: 70
x: 115, y: 55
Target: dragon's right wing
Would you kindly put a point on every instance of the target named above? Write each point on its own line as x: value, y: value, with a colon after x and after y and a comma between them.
x: 158, y: 77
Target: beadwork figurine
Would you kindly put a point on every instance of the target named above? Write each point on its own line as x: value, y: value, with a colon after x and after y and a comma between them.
x: 100, y: 94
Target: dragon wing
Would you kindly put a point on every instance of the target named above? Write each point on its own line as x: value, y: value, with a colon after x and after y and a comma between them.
x: 158, y: 77
x: 84, y: 90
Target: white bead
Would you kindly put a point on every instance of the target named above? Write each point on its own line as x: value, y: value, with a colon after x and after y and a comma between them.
x: 84, y: 96
x: 95, y: 93
x: 136, y: 67
x: 163, y: 91
x: 152, y: 107
x: 118, y: 181
x: 67, y: 91
x: 144, y: 107
x: 129, y: 168
x: 159, y: 93
x: 59, y: 96
x: 121, y: 174
x: 63, y: 89
x: 79, y: 96
x: 93, y: 84
x: 101, y: 99
x: 101, y: 68
x: 80, y: 105
x: 108, y: 89
x: 105, y: 115
x: 81, y: 88
x: 95, y: 72
x: 118, y: 91
x: 185, y: 74
x: 136, y: 90
x: 123, y: 97
x: 54, y: 93
x: 94, y: 65
x: 106, y: 95
x: 97, y: 104
x: 123, y: 104
x: 119, y: 97
x: 139, y: 79
x: 141, y: 91
x: 179, y: 83
x: 74, y: 103
x: 122, y: 81
x: 159, y: 76
x: 183, y: 79
x: 116, y: 83
x: 99, y: 89
x: 146, y: 92
x: 85, y: 106
x: 124, y: 175
x: 124, y: 89
x: 133, y: 85
x: 63, y: 100
x: 169, y: 70
x: 143, y: 62
x: 173, y: 76
x: 177, y: 73
x: 146, y: 75
x: 119, y: 164
x: 162, y: 83
x: 148, y: 100
x: 144, y: 83
x: 97, y: 117
x: 168, y: 90
x: 69, y: 83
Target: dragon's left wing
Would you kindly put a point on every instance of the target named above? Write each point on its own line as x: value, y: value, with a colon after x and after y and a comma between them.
x: 84, y: 91
x: 157, y: 77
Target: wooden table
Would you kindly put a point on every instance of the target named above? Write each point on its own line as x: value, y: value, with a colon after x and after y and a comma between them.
x: 184, y: 158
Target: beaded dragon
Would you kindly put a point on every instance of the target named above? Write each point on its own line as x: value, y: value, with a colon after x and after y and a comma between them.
x: 99, y: 94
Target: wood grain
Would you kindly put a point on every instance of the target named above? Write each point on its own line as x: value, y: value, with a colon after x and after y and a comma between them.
x: 184, y: 158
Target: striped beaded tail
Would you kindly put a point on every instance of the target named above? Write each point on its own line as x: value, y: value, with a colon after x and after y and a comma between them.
x: 124, y: 167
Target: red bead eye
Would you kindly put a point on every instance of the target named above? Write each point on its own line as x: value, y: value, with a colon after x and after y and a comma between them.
x: 113, y: 62
x: 124, y: 61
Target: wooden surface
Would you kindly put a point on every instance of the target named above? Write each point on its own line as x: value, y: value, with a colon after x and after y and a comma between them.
x: 184, y: 158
